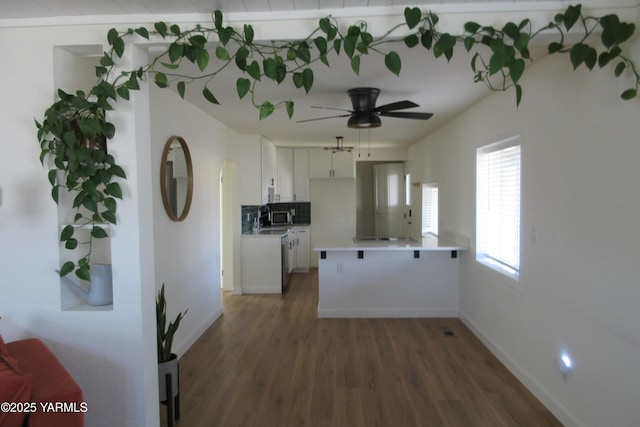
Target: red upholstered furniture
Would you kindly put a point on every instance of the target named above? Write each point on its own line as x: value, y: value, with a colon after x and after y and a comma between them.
x: 33, y: 378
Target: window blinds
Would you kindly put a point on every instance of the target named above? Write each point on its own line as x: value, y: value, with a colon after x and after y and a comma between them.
x: 429, y: 209
x: 498, y: 204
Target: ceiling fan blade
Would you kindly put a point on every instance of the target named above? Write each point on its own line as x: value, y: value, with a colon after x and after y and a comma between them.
x: 400, y: 105
x: 323, y: 118
x: 331, y: 108
x: 406, y: 115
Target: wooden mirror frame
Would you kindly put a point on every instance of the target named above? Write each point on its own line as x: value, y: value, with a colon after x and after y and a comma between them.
x: 163, y: 181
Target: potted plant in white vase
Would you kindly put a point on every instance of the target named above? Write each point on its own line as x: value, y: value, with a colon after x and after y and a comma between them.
x: 167, y: 361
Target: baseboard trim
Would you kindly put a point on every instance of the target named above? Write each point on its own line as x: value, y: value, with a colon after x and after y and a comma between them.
x: 271, y: 290
x: 384, y: 313
x: 548, y: 400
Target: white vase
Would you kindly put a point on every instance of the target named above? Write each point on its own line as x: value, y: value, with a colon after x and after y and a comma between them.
x: 164, y: 368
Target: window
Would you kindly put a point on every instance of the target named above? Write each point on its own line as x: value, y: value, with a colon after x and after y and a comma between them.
x: 429, y: 209
x: 498, y: 206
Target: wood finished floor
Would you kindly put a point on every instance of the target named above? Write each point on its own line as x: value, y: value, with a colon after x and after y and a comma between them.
x: 269, y: 361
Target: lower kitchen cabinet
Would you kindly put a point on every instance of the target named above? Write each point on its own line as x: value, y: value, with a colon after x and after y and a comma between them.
x: 300, y: 239
x: 261, y: 264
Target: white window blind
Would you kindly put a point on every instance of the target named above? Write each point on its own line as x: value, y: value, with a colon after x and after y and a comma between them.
x: 498, y: 206
x: 429, y: 209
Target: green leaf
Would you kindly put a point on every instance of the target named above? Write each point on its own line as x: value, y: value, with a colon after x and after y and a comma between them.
x: 123, y: 92
x: 321, y: 44
x: 67, y: 233
x: 110, y: 203
x: 117, y: 171
x: 427, y: 39
x: 325, y: 25
x: 170, y: 66
x: 175, y: 51
x: 225, y: 35
x: 444, y: 44
x: 281, y: 73
x: 242, y: 87
x: 336, y: 46
x: 471, y: 27
x: 253, y: 70
x: 289, y: 107
x: 110, y: 217
x: 161, y: 80
x: 303, y: 52
x: 518, y: 95
x: 54, y: 193
x: 554, y: 47
x: 468, y: 43
x: 412, y: 16
x: 629, y: 94
x: 217, y: 19
x: 112, y: 36
x: 350, y: 43
x: 241, y: 57
x: 516, y: 68
x: 142, y: 31
x: 571, y: 16
x: 222, y: 53
x: 591, y: 58
x: 248, y: 33
x: 71, y: 244
x: 83, y: 273
x: 511, y: 30
x: 113, y: 189
x: 307, y: 79
x: 522, y: 42
x: 496, y: 62
x: 203, y: 59
x: 175, y: 29
x: 53, y: 176
x: 161, y: 28
x: 355, y: 64
x: 269, y: 67
x: 118, y: 47
x: 620, y: 69
x: 393, y: 63
x: 67, y: 268
x: 208, y: 95
x: 297, y: 80
x: 181, y: 87
x: 578, y: 54
x: 198, y: 41
x: 98, y: 232
x: 266, y: 109
x: 106, y: 60
x: 411, y: 40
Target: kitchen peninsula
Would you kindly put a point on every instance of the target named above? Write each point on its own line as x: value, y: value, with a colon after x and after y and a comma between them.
x: 389, y: 278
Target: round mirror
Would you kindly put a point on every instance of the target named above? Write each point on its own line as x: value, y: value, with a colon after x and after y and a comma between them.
x: 176, y: 178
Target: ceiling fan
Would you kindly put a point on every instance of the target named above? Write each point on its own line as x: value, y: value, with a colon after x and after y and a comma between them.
x: 365, y: 114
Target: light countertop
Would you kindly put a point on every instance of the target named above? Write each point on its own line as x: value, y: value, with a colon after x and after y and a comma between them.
x: 448, y: 242
x: 278, y: 231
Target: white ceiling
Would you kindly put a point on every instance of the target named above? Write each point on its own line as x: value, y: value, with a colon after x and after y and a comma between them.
x: 442, y: 88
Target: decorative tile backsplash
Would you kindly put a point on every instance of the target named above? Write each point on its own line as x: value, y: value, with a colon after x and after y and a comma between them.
x: 302, y: 216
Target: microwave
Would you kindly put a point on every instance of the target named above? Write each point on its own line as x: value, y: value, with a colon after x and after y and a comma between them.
x: 280, y: 217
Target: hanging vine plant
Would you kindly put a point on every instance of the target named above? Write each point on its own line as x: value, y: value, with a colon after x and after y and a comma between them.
x: 76, y: 124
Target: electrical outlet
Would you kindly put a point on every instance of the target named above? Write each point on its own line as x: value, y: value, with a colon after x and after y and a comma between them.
x: 340, y: 267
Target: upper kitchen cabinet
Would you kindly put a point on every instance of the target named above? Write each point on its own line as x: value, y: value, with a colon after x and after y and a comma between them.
x: 284, y: 189
x: 326, y: 164
x: 292, y: 184
x: 300, y: 175
x: 259, y: 169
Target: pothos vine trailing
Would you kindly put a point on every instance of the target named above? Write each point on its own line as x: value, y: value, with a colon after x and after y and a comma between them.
x: 76, y: 124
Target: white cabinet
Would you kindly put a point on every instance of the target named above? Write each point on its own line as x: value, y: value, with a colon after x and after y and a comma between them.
x: 300, y: 174
x: 326, y: 164
x: 269, y: 171
x: 292, y: 183
x: 300, y: 239
x: 284, y: 188
x: 258, y: 168
x: 261, y: 264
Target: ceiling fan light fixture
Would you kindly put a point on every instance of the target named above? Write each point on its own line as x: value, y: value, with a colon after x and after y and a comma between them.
x: 363, y: 120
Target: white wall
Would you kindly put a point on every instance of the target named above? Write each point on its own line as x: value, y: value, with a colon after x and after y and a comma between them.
x: 106, y: 352
x: 111, y: 354
x: 187, y: 253
x: 580, y: 293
